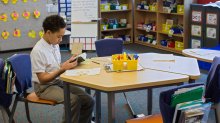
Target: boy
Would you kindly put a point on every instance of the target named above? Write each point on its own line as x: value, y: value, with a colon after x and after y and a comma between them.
x: 47, y: 67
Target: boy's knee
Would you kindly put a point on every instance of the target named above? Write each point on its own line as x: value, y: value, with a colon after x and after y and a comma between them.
x: 75, y: 100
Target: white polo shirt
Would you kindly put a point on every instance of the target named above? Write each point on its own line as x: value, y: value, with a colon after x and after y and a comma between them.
x: 44, y: 58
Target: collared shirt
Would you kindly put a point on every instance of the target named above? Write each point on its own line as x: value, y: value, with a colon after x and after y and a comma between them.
x: 44, y: 58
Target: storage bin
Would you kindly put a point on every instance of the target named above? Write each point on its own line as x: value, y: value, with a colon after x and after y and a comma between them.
x: 104, y: 26
x: 179, y: 45
x: 105, y: 7
x: 163, y: 43
x: 124, y: 6
x: 166, y: 28
x: 153, y: 8
x: 180, y: 9
x: 121, y: 62
x: 171, y: 44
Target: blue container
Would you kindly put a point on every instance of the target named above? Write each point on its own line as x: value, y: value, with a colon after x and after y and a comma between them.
x: 163, y: 42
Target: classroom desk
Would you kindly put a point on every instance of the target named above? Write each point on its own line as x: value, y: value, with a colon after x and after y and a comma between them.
x: 205, y: 55
x: 114, y: 82
x: 180, y: 65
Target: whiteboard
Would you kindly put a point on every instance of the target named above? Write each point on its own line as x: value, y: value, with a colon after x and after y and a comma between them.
x: 82, y: 13
x: 84, y: 10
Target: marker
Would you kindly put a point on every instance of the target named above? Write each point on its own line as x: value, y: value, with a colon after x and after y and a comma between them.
x: 95, y: 62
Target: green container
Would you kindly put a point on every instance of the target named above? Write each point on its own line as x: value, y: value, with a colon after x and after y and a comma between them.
x: 112, y: 7
x: 123, y: 25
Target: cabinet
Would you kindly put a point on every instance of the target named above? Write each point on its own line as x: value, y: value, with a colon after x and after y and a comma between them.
x: 162, y: 24
x: 117, y: 19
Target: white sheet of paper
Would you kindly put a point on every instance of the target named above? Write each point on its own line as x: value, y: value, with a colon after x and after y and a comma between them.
x: 79, y: 72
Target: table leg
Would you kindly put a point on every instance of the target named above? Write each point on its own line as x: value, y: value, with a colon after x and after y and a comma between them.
x: 67, y: 102
x: 98, y: 106
x: 192, y: 80
x: 149, y: 101
x: 111, y: 107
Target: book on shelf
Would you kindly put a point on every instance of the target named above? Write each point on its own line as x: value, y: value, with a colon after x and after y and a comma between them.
x: 197, y: 113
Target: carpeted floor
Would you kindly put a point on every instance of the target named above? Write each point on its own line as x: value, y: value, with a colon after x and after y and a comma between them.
x: 138, y: 99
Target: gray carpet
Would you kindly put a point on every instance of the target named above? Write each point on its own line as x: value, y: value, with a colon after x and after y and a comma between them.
x: 138, y: 99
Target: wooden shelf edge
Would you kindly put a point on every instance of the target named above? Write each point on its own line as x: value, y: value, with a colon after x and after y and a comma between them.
x: 171, y: 13
x: 143, y: 10
x: 146, y: 44
x: 112, y: 11
x: 118, y: 29
x: 145, y: 30
x: 176, y: 35
x: 160, y: 47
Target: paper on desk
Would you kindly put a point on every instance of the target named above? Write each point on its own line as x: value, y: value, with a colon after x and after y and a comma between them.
x: 157, y: 61
x: 163, y: 57
x: 79, y: 72
x: 203, y: 52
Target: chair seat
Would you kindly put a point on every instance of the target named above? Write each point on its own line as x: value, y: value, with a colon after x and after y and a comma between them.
x: 32, y: 97
x: 157, y: 118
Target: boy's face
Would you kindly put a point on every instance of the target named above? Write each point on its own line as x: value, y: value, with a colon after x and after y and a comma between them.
x: 56, y: 37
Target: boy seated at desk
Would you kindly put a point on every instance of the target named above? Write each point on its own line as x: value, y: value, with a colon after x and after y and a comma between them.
x: 47, y: 67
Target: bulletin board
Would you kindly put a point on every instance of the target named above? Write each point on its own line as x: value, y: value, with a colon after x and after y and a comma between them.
x: 24, y: 25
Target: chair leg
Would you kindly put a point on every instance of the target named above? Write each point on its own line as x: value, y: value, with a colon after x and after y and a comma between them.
x: 217, y: 112
x: 4, y: 114
x: 13, y: 109
x: 9, y: 113
x: 27, y: 112
x: 129, y: 106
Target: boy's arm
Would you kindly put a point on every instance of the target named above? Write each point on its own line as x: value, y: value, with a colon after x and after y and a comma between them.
x: 45, y: 77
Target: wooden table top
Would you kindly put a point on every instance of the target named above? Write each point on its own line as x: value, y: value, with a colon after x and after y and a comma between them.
x: 116, y: 81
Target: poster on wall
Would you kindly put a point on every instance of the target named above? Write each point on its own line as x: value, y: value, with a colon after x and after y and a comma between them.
x: 210, y: 32
x: 195, y: 43
x: 211, y: 18
x: 196, y: 30
x: 196, y: 16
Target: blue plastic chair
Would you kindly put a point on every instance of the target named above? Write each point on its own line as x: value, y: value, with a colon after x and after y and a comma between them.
x: 108, y: 47
x: 21, y: 65
x: 212, y: 93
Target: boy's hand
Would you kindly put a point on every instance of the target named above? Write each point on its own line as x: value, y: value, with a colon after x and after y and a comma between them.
x: 69, y: 64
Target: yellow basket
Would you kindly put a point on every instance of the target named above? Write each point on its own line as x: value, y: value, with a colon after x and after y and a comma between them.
x: 105, y: 7
x: 124, y: 6
x: 153, y: 8
x: 121, y: 65
x: 180, y: 9
x: 166, y: 28
x: 104, y: 26
x: 179, y: 45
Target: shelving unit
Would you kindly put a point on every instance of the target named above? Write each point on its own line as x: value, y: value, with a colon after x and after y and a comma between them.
x: 64, y: 7
x: 118, y: 14
x: 159, y: 17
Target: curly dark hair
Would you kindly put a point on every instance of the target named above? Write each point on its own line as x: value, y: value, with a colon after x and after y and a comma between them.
x: 53, y: 23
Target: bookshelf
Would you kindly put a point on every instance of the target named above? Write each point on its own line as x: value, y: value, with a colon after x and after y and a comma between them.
x: 151, y: 24
x: 64, y: 8
x: 121, y: 13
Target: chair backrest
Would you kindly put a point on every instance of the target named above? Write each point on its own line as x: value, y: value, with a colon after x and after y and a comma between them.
x: 165, y: 100
x: 5, y: 99
x: 21, y: 65
x: 108, y: 47
x: 212, y: 91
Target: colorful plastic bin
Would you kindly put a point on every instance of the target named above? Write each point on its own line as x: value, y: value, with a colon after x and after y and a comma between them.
x: 123, y: 63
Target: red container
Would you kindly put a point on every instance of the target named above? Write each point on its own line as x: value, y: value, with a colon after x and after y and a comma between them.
x: 205, y: 1
x: 171, y: 44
